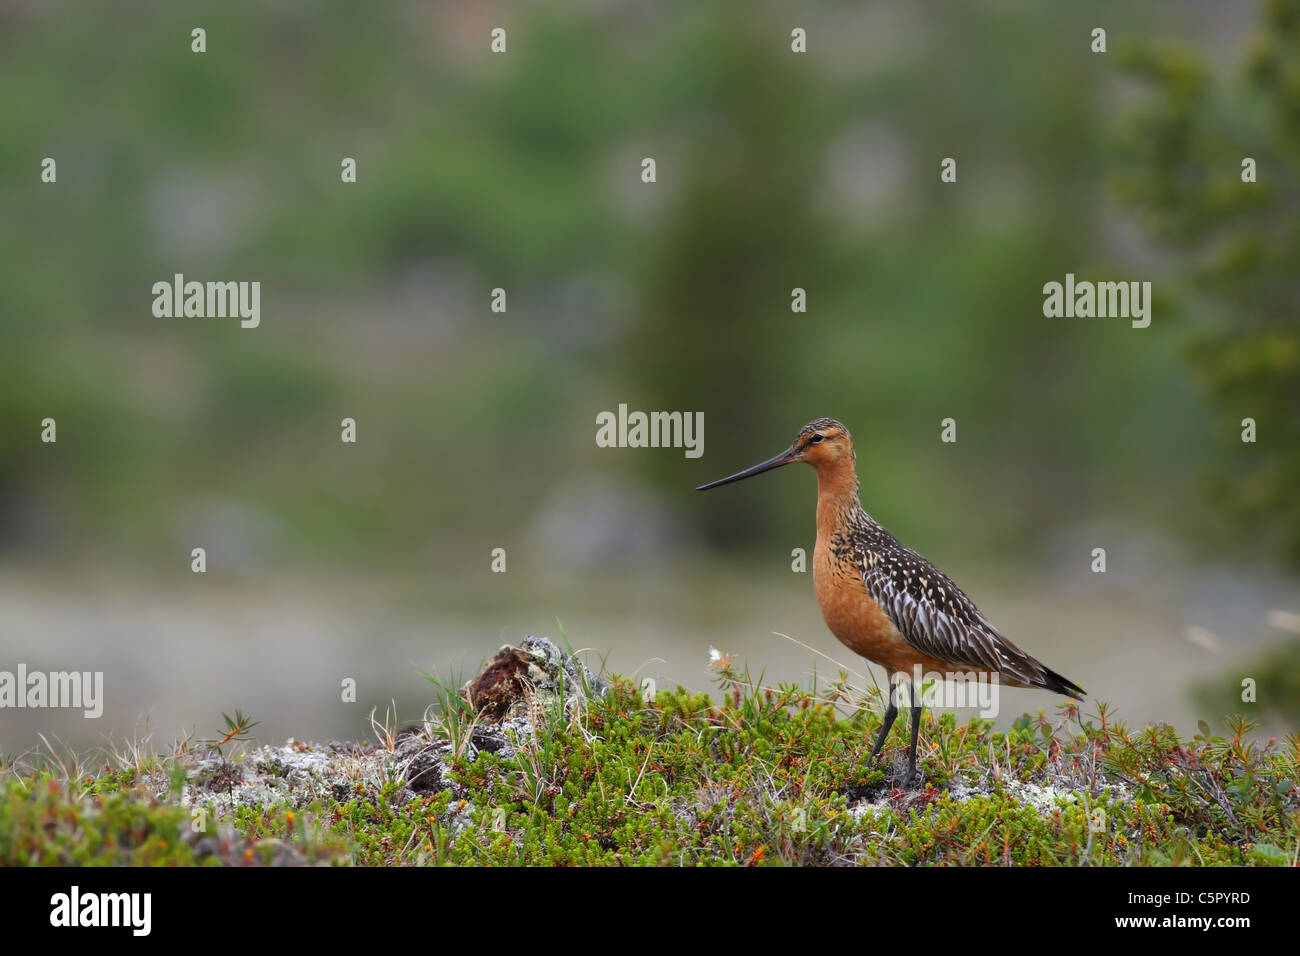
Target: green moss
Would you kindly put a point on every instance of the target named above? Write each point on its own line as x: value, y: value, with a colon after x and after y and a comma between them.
x: 49, y: 822
x: 768, y: 777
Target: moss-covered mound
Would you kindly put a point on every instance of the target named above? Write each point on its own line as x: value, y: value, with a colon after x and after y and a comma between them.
x: 585, y: 770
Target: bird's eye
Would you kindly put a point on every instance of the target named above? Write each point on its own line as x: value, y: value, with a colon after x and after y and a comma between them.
x: 815, y: 439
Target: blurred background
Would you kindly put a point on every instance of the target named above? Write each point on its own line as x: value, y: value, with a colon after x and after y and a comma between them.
x: 476, y: 430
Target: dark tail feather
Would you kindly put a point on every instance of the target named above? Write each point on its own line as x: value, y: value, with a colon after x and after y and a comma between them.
x: 1060, y: 685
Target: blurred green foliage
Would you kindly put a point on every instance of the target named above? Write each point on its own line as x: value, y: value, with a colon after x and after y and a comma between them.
x: 1236, y: 245
x: 1276, y: 676
x: 522, y: 171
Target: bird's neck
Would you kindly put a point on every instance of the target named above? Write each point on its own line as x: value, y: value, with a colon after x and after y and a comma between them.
x: 837, y: 497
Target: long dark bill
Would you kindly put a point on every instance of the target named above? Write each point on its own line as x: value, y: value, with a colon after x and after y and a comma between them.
x: 785, y: 458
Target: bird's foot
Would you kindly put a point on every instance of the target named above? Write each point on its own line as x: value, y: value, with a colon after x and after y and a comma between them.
x: 913, y: 779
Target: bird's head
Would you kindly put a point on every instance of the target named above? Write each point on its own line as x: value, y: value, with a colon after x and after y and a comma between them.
x: 823, y: 443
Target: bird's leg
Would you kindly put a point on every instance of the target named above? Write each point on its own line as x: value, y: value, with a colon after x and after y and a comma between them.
x: 890, y: 713
x: 912, y: 776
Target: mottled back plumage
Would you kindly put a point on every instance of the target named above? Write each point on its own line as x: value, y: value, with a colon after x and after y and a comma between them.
x: 932, y: 613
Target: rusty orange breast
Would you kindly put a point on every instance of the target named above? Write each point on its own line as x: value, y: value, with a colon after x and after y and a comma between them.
x: 851, y: 613
x: 849, y: 610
